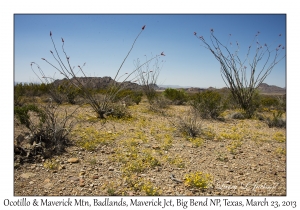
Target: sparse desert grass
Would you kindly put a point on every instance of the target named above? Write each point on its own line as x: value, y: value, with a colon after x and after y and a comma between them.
x: 146, y: 148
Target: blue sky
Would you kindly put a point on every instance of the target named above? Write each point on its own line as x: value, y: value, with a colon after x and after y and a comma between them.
x: 103, y: 41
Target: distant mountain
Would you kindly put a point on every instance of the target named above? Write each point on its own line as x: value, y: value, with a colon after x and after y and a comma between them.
x: 271, y: 89
x: 173, y: 86
x: 263, y: 88
x: 102, y: 83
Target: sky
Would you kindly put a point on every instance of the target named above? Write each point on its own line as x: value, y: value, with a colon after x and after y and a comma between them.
x: 102, y: 41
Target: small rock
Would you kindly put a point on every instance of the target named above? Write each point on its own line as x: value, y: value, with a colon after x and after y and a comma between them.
x: 31, y: 182
x: 73, y: 160
x: 48, y: 185
x: 95, y: 177
x: 130, y: 193
x: 111, y: 168
x: 27, y: 175
x: 241, y: 173
x: 61, y: 167
x: 74, y: 178
x: 155, y: 147
x: 46, y: 181
x: 81, y: 183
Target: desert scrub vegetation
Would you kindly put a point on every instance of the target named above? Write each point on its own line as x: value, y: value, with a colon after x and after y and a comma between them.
x: 198, y: 180
x: 90, y: 138
x: 209, y: 104
x: 49, y: 127
x: 178, y: 97
x: 242, y: 83
x: 147, y: 76
x: 148, y: 148
x: 276, y: 120
x: 189, y: 125
x: 103, y: 105
x: 279, y: 136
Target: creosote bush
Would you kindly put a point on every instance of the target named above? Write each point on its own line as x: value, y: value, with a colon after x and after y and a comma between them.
x: 269, y: 102
x: 178, y: 97
x: 209, y: 104
x: 69, y: 91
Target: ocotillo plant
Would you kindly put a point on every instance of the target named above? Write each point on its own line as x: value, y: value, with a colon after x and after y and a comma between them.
x: 147, y: 76
x: 234, y: 68
x: 101, y: 107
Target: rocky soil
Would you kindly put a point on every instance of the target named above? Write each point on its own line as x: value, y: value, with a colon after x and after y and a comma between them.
x: 256, y: 167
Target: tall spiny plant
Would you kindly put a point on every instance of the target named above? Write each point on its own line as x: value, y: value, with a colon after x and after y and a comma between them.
x: 234, y: 69
x: 147, y: 77
x: 102, y: 107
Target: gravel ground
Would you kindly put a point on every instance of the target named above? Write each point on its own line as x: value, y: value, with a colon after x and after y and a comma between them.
x: 254, y: 168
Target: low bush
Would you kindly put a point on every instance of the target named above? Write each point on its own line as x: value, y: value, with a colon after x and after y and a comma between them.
x: 49, y: 128
x: 189, y: 125
x: 178, y: 97
x: 276, y: 120
x: 209, y: 104
x: 159, y: 104
x: 269, y: 102
x: 68, y: 91
x: 198, y: 180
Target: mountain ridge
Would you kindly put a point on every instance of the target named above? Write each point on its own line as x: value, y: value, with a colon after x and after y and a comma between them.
x: 104, y: 82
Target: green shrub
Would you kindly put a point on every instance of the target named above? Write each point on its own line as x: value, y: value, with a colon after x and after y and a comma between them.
x: 69, y: 91
x: 269, y: 102
x: 177, y: 97
x: 22, y: 114
x: 136, y: 96
x: 208, y: 104
x: 29, y: 90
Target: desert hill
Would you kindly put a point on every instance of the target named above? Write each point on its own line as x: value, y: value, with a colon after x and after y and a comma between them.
x: 104, y: 82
